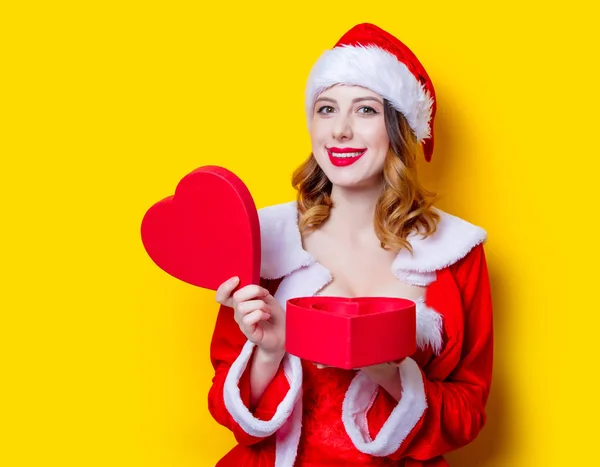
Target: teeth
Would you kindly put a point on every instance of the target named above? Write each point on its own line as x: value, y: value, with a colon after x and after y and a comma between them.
x: 347, y: 154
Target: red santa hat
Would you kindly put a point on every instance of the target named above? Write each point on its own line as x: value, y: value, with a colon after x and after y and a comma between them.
x: 368, y: 56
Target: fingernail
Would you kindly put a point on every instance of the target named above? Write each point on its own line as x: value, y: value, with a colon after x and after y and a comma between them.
x: 234, y: 279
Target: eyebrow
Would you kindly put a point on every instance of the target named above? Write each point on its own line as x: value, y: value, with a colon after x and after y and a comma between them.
x: 358, y: 99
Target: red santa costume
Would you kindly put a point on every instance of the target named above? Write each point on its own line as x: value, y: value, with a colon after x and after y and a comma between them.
x: 320, y: 417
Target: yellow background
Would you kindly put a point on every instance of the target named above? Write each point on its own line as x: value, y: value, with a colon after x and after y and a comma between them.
x: 106, y: 105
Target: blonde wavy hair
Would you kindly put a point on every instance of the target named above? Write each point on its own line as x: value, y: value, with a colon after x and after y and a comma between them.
x: 404, y: 205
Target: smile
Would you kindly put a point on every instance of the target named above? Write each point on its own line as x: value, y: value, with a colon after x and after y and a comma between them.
x: 341, y: 157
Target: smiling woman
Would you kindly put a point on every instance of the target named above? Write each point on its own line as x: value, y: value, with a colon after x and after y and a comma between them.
x: 362, y: 226
x: 355, y: 114
x: 390, y: 166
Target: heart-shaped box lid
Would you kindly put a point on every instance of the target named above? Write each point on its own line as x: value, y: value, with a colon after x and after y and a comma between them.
x: 207, y: 232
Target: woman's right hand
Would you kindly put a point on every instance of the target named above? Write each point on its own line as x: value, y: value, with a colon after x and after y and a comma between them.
x: 259, y: 316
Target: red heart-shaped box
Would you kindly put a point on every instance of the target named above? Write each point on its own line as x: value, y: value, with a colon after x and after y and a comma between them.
x: 350, y: 333
x: 207, y: 232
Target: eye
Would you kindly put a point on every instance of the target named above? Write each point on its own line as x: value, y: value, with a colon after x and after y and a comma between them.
x: 325, y: 109
x: 367, y: 110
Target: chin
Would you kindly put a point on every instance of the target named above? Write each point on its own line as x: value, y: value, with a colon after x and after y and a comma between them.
x: 351, y: 180
x: 354, y: 176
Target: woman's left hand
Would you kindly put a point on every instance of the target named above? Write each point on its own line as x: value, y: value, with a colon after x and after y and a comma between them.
x: 384, y: 374
x: 379, y: 372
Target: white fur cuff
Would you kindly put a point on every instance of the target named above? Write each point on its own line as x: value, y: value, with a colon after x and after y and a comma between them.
x: 401, y: 421
x: 238, y: 410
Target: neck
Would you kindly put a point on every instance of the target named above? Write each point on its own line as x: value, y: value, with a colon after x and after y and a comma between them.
x: 353, y: 211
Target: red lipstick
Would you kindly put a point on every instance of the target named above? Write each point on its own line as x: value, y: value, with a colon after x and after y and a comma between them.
x: 340, y: 156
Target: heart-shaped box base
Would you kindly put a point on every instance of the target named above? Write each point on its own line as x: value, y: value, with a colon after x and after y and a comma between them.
x: 350, y: 333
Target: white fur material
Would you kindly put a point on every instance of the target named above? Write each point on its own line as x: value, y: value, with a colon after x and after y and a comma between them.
x: 422, y: 279
x: 282, y: 250
x: 379, y: 71
x: 281, y: 243
x: 303, y: 282
x: 287, y: 438
x: 453, y: 239
x: 401, y: 421
x: 429, y: 327
x: 238, y: 410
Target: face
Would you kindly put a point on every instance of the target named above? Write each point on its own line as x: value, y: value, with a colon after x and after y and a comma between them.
x: 348, y: 135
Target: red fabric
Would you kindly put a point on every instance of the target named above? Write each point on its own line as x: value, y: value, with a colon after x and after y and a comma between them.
x: 324, y: 440
x: 226, y: 345
x: 457, y: 384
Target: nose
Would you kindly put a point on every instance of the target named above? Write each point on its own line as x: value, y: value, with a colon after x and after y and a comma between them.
x: 342, y: 128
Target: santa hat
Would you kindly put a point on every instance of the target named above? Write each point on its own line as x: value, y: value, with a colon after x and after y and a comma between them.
x: 368, y: 56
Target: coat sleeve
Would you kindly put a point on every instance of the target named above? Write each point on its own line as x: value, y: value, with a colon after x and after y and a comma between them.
x: 229, y: 395
x: 432, y: 417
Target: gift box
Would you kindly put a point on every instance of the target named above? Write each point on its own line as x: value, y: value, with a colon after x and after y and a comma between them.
x: 350, y: 333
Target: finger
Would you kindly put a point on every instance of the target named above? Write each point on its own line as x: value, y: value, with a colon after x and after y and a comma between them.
x: 256, y: 334
x: 273, y: 304
x: 250, y: 292
x: 321, y: 366
x: 398, y: 362
x: 225, y: 289
x: 252, y: 318
x: 251, y: 305
x: 269, y: 298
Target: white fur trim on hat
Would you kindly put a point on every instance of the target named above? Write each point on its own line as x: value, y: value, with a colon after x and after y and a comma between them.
x: 379, y: 71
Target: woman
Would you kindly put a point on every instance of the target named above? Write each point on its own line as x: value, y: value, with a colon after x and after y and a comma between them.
x: 362, y: 225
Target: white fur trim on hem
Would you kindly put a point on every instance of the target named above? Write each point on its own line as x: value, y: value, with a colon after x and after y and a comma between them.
x: 402, y: 420
x: 238, y: 410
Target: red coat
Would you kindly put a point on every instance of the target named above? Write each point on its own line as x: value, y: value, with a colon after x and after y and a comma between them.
x: 308, y: 417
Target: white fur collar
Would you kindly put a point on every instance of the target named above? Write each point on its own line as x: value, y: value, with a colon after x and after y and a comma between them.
x: 282, y: 251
